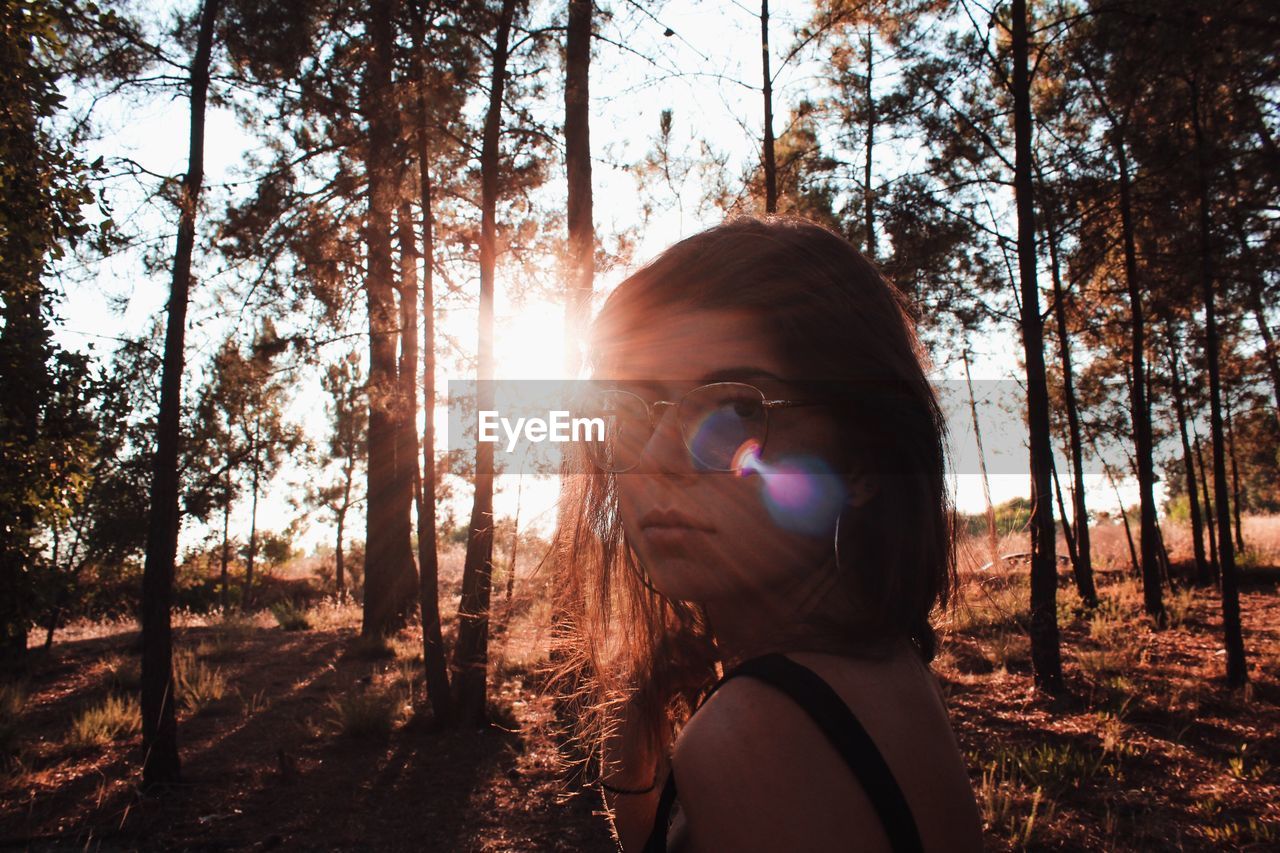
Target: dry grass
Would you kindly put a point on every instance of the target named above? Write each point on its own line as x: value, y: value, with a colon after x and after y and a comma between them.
x: 106, y: 721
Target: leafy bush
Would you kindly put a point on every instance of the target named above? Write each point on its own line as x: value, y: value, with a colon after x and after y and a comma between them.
x: 290, y: 617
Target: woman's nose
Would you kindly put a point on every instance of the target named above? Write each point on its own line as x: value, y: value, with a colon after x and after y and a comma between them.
x: 665, y: 452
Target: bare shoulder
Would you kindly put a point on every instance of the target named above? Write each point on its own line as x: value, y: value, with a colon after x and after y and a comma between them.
x: 756, y: 773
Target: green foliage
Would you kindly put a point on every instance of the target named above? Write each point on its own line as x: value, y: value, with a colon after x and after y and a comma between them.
x: 290, y: 617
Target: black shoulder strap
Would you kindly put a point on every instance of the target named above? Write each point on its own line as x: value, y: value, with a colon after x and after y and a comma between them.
x: 825, y: 707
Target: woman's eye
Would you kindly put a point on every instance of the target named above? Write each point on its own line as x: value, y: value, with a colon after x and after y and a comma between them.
x: 746, y: 409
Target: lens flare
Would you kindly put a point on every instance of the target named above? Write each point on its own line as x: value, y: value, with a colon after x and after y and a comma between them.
x: 802, y: 493
x: 746, y: 460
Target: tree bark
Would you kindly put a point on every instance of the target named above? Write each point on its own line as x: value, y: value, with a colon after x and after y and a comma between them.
x: 1193, y: 499
x: 433, y: 656
x: 408, y: 477
x: 161, y: 765
x: 1208, y: 506
x: 577, y: 147
x: 1235, y: 478
x: 1233, y: 639
x: 1045, y: 652
x: 993, y: 539
x: 471, y: 653
x: 868, y: 197
x: 1081, y: 557
x: 1139, y: 407
x: 388, y: 556
x: 224, y: 577
x: 770, y: 167
x: 253, y: 517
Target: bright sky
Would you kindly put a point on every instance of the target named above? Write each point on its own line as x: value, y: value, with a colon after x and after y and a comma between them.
x: 713, y: 45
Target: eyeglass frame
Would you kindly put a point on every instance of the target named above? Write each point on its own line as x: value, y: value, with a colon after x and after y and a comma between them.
x: 654, y: 419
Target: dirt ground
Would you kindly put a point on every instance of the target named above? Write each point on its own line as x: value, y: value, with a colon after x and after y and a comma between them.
x: 1149, y: 751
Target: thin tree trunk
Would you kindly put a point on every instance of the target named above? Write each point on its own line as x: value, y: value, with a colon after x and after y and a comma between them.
x: 993, y: 538
x: 471, y: 653
x: 339, y: 579
x: 407, y: 474
x: 1235, y: 478
x: 515, y: 539
x: 224, y: 579
x: 1062, y: 511
x: 253, y: 519
x: 1193, y: 499
x: 388, y: 554
x: 868, y: 197
x: 1045, y: 652
x: 1270, y: 351
x: 1081, y: 557
x: 1233, y: 638
x: 433, y: 656
x: 160, y: 764
x: 770, y: 167
x: 577, y: 156
x: 1140, y: 411
x: 1208, y: 507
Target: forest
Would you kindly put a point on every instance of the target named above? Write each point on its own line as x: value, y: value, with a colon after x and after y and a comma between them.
x: 252, y: 596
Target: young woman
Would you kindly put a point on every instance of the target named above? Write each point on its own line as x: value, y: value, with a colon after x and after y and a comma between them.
x: 750, y: 557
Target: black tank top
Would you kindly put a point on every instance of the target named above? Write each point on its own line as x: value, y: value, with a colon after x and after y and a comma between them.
x: 841, y: 727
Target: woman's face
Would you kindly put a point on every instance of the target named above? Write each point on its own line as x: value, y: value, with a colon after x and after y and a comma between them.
x: 709, y: 536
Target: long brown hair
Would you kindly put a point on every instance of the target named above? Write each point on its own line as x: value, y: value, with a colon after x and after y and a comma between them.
x: 616, y: 639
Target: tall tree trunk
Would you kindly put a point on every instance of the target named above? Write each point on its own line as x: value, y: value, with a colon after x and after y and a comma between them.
x: 160, y: 764
x: 1233, y: 638
x: 388, y: 555
x: 770, y: 167
x: 407, y: 473
x: 1081, y: 557
x: 1235, y: 478
x: 1208, y: 506
x: 247, y: 597
x: 339, y: 568
x: 224, y: 579
x: 1045, y: 652
x: 433, y: 656
x: 1270, y: 351
x: 577, y: 156
x: 1062, y: 511
x: 471, y: 653
x: 868, y: 196
x: 1139, y: 407
x: 1193, y: 499
x: 993, y: 539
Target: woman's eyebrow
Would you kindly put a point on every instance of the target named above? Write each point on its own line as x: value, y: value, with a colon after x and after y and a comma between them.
x: 737, y: 374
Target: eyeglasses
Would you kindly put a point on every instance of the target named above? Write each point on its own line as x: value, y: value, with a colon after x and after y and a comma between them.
x: 717, y: 423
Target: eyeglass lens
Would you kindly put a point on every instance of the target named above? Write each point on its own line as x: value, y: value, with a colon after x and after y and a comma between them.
x: 716, y: 422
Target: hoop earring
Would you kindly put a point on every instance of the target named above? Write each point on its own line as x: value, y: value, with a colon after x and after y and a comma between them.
x: 836, y: 542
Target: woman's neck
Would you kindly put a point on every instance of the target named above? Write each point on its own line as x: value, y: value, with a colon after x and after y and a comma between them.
x: 769, y: 620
